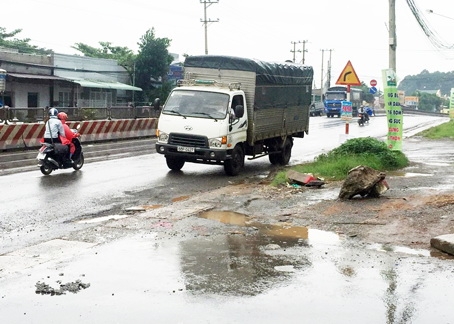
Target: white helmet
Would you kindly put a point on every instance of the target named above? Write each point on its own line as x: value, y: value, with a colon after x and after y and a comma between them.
x: 53, y: 112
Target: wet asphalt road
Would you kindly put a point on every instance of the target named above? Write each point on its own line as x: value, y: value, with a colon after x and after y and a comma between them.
x: 149, y: 274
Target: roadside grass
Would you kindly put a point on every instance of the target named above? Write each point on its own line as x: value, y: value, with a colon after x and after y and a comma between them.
x: 335, y: 164
x: 445, y: 130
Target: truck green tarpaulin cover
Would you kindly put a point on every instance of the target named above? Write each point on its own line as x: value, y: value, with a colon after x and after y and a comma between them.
x: 266, y: 72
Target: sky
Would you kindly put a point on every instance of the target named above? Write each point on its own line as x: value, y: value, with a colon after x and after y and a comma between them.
x: 340, y: 31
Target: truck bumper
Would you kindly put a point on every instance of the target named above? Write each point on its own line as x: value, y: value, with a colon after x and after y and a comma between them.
x: 200, y: 154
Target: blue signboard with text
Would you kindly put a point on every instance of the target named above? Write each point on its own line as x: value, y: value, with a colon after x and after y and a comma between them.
x: 346, y: 110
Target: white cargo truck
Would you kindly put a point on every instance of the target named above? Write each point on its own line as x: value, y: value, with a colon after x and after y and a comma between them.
x: 227, y: 108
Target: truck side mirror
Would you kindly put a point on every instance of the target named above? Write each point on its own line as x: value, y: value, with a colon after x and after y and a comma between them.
x: 157, y: 103
x: 239, y: 111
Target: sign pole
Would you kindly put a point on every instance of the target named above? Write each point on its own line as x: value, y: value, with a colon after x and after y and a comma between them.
x: 347, y: 126
x: 348, y: 77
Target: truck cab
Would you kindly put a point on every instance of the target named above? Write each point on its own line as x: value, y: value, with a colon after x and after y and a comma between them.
x: 334, y: 97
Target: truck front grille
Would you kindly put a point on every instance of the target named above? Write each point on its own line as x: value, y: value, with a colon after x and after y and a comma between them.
x: 188, y: 140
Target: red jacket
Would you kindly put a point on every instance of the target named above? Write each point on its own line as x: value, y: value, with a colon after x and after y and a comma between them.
x: 69, y: 135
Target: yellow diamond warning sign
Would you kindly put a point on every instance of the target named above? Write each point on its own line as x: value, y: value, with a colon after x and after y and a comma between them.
x: 348, y: 76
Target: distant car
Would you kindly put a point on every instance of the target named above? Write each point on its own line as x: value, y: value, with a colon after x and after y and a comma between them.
x: 317, y: 109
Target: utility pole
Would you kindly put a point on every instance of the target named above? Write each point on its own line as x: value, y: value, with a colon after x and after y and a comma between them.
x: 205, y: 21
x: 294, y: 49
x: 329, y: 69
x: 304, y: 51
x: 392, y: 35
x: 321, y: 77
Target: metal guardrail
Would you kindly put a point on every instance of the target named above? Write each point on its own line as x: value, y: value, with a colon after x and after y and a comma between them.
x: 38, y: 114
x: 423, y: 112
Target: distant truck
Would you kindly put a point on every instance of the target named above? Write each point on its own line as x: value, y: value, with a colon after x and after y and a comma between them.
x: 334, y: 97
x: 227, y: 108
x: 317, y: 109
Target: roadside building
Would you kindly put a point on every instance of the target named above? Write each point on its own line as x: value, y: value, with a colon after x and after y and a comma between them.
x: 34, y: 82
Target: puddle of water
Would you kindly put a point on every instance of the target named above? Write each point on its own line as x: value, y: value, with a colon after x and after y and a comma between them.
x: 409, y: 174
x: 439, y: 163
x: 399, y: 249
x: 142, y: 208
x: 281, y: 230
x: 286, y: 268
x: 101, y: 219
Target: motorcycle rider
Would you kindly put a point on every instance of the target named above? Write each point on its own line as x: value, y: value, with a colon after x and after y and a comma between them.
x: 54, y: 128
x: 364, y: 114
x: 68, y: 133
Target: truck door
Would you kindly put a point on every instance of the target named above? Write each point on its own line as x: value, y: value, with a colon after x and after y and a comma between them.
x: 238, y: 124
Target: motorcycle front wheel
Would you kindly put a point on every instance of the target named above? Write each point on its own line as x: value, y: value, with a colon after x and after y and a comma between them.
x: 45, y: 169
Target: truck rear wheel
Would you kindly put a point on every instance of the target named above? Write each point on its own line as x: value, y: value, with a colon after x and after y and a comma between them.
x: 274, y: 159
x: 174, y: 163
x: 286, y: 153
x: 233, y: 166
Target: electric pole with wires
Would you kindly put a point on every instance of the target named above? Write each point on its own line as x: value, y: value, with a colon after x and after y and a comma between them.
x: 205, y: 20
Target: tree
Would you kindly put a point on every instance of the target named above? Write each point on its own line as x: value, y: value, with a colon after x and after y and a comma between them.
x: 367, y: 96
x: 123, y: 55
x: 152, y: 66
x: 442, y: 81
x: 429, y: 102
x: 8, y: 40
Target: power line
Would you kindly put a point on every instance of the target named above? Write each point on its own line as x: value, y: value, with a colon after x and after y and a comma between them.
x: 431, y: 35
x: 432, y: 12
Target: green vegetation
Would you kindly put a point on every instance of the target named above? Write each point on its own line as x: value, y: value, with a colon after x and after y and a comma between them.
x: 10, y: 40
x: 335, y: 164
x: 146, y: 69
x: 425, y: 80
x: 445, y: 130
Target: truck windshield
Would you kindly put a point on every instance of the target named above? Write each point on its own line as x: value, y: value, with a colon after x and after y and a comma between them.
x: 201, y: 104
x: 335, y: 96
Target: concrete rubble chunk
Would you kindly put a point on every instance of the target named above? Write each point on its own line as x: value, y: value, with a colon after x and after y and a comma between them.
x: 304, y: 179
x: 364, y: 181
x: 444, y: 243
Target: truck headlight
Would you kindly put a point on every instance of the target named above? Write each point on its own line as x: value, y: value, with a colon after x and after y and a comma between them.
x: 163, y: 137
x: 215, y: 142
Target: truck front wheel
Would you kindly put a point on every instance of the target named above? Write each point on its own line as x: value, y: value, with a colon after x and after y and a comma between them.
x: 174, y: 163
x: 233, y: 166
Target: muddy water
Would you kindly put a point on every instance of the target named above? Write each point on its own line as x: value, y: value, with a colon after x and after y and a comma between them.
x: 254, y: 274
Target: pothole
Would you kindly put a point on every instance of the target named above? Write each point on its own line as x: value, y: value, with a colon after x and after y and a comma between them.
x: 101, y: 219
x: 280, y: 230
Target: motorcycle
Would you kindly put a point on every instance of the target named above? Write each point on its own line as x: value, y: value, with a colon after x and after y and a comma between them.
x: 56, y: 156
x: 363, y: 118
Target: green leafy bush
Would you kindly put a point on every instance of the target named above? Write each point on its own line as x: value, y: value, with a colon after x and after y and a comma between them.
x: 335, y: 164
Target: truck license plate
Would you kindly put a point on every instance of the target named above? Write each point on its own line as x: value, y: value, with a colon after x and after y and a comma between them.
x: 185, y: 149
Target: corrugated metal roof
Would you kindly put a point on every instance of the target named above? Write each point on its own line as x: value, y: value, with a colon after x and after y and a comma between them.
x: 82, y: 82
x: 105, y: 85
x: 35, y: 76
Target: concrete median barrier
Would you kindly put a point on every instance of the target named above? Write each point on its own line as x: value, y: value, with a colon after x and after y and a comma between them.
x: 26, y: 135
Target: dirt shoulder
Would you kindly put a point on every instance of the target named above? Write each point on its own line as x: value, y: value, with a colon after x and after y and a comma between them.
x: 418, y: 206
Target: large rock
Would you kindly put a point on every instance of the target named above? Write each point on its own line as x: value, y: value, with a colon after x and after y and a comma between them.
x: 364, y: 181
x: 443, y: 243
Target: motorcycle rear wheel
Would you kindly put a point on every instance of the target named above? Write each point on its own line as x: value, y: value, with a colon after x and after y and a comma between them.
x: 45, y: 169
x: 79, y: 163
